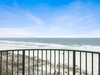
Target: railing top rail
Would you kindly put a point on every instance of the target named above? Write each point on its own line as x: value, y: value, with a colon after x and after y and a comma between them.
x: 88, y: 51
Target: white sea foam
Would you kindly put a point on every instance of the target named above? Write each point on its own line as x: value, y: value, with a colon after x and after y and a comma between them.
x: 21, y: 44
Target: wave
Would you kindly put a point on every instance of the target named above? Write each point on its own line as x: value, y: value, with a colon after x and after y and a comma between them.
x: 23, y: 44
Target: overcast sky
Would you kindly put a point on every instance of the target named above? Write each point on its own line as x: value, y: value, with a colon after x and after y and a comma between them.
x: 49, y: 18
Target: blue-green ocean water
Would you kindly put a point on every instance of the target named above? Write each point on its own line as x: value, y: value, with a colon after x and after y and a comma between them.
x: 62, y: 41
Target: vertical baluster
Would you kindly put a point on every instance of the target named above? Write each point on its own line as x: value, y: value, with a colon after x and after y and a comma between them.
x: 33, y: 62
x: 0, y: 63
x: 23, y: 61
x: 28, y: 62
x: 37, y: 60
x: 17, y: 62
x: 54, y: 62
x: 99, y: 64
x: 7, y: 63
x: 42, y: 62
x: 74, y: 58
x: 68, y: 62
x: 59, y: 62
x: 92, y: 63
x: 12, y: 60
x: 46, y: 62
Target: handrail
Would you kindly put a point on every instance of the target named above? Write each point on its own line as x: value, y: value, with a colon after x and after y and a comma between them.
x: 88, y: 51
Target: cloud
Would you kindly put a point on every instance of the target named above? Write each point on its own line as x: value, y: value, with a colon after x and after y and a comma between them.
x: 14, y: 32
x: 92, y: 33
x: 43, y: 31
x: 35, y: 31
x: 38, y: 21
x: 84, y: 18
x: 17, y: 17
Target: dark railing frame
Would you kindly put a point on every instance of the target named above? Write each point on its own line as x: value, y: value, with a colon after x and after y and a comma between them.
x: 74, y: 59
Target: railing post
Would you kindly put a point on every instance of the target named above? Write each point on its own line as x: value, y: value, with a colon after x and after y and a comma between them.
x: 74, y: 62
x: 0, y: 63
x: 99, y: 64
x: 7, y: 63
x: 23, y: 63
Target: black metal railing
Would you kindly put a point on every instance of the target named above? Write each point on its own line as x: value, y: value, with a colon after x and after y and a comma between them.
x: 49, y: 62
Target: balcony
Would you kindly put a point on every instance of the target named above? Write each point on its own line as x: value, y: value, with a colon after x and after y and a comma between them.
x: 49, y: 62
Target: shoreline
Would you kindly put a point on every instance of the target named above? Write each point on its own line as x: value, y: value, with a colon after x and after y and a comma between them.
x: 49, y: 46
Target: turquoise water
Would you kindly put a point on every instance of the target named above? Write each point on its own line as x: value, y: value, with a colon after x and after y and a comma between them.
x: 62, y: 41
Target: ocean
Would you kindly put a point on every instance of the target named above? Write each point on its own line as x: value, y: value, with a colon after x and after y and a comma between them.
x: 66, y: 43
x: 63, y: 41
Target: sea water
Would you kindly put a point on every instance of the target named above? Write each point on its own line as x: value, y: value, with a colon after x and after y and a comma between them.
x: 65, y: 43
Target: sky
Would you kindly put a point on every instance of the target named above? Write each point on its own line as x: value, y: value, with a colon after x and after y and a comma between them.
x: 50, y: 18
